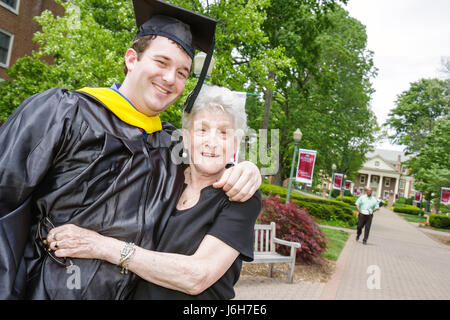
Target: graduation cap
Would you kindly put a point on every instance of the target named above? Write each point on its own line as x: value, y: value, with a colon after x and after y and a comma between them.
x: 189, y: 29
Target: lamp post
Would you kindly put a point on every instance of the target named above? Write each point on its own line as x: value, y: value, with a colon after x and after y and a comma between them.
x: 297, y: 137
x: 199, y: 60
x: 432, y: 206
x: 427, y: 205
x: 333, y: 168
x: 342, y: 187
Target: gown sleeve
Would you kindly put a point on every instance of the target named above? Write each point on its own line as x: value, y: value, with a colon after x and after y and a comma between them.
x: 29, y: 142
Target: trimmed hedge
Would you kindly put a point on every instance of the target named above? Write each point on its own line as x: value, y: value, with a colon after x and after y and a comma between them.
x: 349, y: 200
x: 408, y: 210
x: 282, y: 192
x: 440, y: 221
x: 320, y: 208
x: 328, y: 212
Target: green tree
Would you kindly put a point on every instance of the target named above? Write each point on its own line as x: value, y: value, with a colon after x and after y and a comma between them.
x: 431, y: 166
x: 87, y: 50
x: 89, y: 42
x: 327, y: 92
x: 416, y: 112
x: 342, y: 94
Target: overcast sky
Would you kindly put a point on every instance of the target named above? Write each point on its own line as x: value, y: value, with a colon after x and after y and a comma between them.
x: 408, y: 38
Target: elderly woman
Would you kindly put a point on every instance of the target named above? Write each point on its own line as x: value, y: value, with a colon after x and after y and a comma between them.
x: 200, y: 252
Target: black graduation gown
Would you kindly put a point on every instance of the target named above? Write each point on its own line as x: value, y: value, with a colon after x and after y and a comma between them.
x: 65, y: 155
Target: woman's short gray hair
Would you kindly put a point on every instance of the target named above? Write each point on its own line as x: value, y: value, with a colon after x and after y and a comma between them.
x: 215, y: 97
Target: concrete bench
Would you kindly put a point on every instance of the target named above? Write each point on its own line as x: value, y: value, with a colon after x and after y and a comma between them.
x: 264, y: 250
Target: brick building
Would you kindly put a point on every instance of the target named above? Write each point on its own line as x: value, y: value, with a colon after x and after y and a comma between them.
x: 17, y: 28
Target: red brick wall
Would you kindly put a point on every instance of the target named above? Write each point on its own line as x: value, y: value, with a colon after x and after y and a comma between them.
x: 22, y: 26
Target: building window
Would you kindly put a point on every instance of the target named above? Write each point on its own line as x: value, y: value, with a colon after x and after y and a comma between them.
x: 387, y: 182
x: 12, y: 5
x: 403, y: 169
x: 374, y: 179
x: 6, y: 41
x: 362, y: 179
x: 386, y: 195
x: 377, y: 163
x: 402, y: 184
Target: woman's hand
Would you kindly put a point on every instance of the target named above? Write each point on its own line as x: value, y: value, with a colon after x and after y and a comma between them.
x: 75, y: 242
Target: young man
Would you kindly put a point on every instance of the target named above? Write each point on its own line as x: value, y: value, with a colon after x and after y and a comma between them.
x: 366, y: 206
x: 100, y: 158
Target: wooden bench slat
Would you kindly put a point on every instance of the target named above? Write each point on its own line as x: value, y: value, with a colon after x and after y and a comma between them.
x: 264, y: 249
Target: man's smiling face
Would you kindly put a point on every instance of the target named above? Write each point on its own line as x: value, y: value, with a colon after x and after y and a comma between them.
x: 158, y: 78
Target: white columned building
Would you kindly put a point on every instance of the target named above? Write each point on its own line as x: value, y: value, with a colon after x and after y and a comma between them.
x: 384, y: 173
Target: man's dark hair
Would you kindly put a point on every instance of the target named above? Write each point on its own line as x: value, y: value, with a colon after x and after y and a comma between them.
x: 140, y: 45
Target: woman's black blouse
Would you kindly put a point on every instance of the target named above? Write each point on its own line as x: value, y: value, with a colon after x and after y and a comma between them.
x: 231, y: 222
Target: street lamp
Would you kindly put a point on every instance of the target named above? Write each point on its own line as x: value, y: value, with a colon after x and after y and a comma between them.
x: 333, y: 168
x: 343, y: 186
x: 297, y: 137
x: 199, y: 61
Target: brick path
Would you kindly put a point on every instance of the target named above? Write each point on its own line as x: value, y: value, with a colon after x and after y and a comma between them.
x: 410, y: 265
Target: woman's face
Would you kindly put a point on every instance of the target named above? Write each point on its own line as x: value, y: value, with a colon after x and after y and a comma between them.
x: 211, y: 141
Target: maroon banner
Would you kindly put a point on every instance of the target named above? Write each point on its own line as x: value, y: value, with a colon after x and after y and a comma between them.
x: 305, y: 167
x: 418, y: 196
x: 347, y: 184
x: 337, y: 183
x: 396, y: 196
x: 445, y: 196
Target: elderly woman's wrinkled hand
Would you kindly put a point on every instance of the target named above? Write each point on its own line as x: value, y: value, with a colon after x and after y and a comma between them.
x: 72, y: 241
x: 240, y: 182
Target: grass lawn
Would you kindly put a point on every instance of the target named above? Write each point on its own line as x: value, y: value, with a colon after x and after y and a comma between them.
x: 335, y: 223
x: 337, y: 240
x: 412, y: 218
x: 417, y: 219
x: 443, y: 230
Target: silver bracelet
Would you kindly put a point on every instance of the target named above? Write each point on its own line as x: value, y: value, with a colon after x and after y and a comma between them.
x: 125, y: 255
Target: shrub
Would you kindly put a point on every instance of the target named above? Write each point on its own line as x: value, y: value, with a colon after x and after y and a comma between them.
x: 439, y: 221
x: 444, y: 209
x: 320, y: 208
x: 408, y: 210
x: 328, y: 212
x: 294, y: 224
x: 266, y: 188
x: 398, y: 204
x: 335, y: 193
x: 349, y: 200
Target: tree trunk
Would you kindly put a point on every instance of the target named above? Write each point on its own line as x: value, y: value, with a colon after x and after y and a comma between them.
x: 278, y: 179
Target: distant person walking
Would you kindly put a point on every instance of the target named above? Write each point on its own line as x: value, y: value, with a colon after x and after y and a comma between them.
x: 366, y: 205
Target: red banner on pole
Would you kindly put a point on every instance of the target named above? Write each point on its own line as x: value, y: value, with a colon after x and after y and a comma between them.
x: 337, y: 183
x: 418, y: 196
x: 305, y: 167
x: 347, y: 184
x: 445, y: 196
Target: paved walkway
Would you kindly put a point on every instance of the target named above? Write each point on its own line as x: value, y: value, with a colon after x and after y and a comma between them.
x: 398, y: 262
